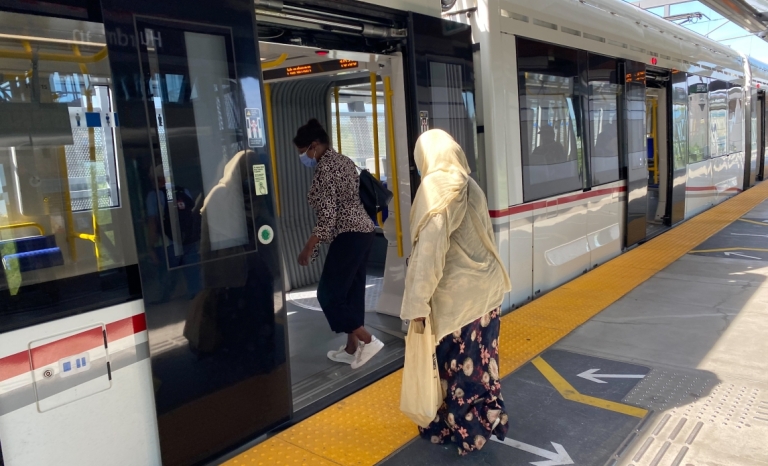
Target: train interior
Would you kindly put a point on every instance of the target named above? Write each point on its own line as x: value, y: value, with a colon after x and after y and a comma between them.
x: 348, y: 93
x: 656, y: 111
x: 60, y: 183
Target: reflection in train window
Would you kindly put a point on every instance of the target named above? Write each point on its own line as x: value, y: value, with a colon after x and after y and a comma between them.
x: 551, y: 133
x: 66, y: 242
x: 200, y: 206
x: 735, y: 118
x: 604, y: 94
x: 718, y: 117
x: 679, y: 120
x: 698, y: 119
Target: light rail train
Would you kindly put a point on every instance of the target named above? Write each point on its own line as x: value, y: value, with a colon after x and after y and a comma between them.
x: 152, y: 203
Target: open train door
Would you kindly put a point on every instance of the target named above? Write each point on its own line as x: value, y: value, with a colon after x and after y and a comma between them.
x: 441, y: 82
x: 188, y: 89
x: 635, y: 147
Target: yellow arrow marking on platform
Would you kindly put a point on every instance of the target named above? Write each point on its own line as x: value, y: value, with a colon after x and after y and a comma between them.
x: 753, y: 221
x: 570, y: 393
x: 731, y: 249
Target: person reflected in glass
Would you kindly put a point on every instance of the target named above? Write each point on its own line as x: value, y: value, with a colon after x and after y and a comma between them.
x: 456, y: 279
x: 343, y: 222
x: 549, y: 150
x: 607, y: 144
x: 188, y: 240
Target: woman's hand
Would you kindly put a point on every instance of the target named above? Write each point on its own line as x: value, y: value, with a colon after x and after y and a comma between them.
x: 305, y: 257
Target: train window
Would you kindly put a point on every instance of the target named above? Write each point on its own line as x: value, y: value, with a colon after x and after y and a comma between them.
x: 550, y: 100
x: 604, y: 94
x: 735, y: 118
x: 718, y: 117
x: 698, y: 119
x: 679, y: 120
x: 201, y: 194
x: 355, y: 127
x: 66, y: 242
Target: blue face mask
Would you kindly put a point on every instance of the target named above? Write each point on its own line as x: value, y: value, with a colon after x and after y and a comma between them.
x: 307, y: 161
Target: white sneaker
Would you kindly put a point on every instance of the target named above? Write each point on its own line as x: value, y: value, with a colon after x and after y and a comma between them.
x: 367, y: 351
x: 342, y: 356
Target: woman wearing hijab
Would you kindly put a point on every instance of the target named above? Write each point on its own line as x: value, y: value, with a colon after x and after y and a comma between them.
x: 342, y: 222
x: 456, y: 277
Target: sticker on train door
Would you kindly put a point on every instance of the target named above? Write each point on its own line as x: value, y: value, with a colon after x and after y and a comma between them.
x: 254, y: 124
x: 424, y: 121
x: 260, y: 180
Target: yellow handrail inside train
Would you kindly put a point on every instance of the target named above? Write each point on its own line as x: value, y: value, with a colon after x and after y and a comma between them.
x: 374, y: 105
x: 71, y: 235
x: 58, y: 57
x: 265, y: 65
x: 655, y: 136
x: 272, y: 149
x: 94, y: 238
x: 24, y: 225
x: 393, y: 161
x: 338, y: 119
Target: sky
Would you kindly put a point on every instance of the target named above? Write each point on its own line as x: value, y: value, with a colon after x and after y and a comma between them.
x: 717, y: 28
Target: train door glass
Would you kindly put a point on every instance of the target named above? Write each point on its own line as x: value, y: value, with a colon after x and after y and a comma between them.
x: 190, y: 102
x: 658, y: 160
x: 679, y: 131
x: 762, y: 136
x: 635, y: 139
x: 442, y: 72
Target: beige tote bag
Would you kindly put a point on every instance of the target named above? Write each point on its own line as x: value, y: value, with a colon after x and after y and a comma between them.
x: 421, y: 394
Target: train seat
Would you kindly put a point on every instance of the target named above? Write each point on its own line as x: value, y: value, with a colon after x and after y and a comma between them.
x: 32, y: 253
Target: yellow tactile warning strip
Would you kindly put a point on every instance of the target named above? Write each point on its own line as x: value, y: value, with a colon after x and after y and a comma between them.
x: 367, y: 427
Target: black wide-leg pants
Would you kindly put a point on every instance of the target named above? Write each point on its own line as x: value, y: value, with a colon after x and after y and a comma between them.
x: 341, y: 291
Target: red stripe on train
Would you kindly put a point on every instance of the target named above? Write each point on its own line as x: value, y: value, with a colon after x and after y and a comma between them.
x: 19, y: 363
x: 518, y: 209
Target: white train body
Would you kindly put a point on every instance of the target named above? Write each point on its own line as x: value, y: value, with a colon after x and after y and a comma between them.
x: 553, y: 239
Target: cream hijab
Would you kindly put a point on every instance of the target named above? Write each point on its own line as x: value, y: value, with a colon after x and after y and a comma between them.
x: 223, y: 207
x: 444, y: 178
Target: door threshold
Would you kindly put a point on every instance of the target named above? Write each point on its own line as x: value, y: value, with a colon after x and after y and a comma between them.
x: 330, y: 385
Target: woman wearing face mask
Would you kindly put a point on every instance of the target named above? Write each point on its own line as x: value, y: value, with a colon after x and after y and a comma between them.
x: 342, y: 222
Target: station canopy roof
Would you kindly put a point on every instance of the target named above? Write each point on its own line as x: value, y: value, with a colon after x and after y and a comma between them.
x: 739, y: 24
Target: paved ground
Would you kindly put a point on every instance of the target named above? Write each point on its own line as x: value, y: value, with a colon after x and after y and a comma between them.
x: 689, y: 346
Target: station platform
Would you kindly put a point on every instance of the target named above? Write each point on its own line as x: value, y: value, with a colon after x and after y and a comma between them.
x: 655, y: 358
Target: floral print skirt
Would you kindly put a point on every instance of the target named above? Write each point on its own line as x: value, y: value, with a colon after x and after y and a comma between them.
x: 469, y: 373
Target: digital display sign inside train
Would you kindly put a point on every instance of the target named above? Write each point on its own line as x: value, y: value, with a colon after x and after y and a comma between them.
x: 312, y: 68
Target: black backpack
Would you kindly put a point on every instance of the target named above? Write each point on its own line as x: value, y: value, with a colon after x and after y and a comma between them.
x: 373, y: 194
x: 189, y: 221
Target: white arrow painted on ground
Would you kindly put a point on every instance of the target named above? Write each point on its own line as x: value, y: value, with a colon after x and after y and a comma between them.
x: 741, y: 255
x: 592, y: 376
x: 747, y: 234
x: 554, y: 458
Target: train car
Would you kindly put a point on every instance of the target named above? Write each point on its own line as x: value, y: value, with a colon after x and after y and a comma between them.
x: 608, y: 125
x: 152, y: 203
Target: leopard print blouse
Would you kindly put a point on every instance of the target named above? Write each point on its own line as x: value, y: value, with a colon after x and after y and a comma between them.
x: 335, y: 197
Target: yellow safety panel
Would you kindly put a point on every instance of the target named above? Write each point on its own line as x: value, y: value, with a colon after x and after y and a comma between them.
x: 276, y: 451
x: 366, y: 427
